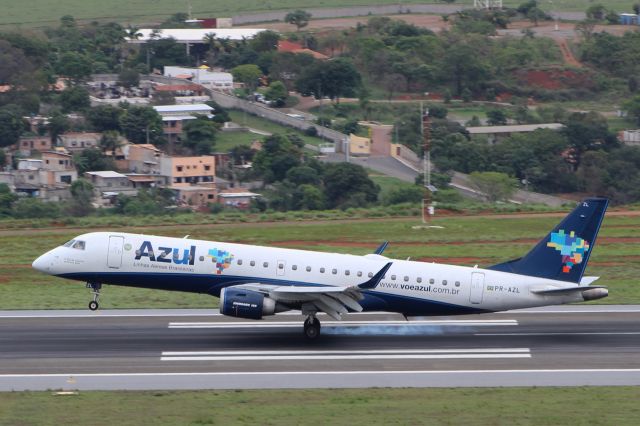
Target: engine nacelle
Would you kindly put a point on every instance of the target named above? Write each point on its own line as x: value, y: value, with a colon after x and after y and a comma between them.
x: 236, y: 302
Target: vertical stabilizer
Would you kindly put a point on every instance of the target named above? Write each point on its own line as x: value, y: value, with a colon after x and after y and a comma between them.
x: 563, y: 254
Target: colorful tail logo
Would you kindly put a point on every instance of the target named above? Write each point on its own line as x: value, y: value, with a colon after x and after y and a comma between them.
x: 571, y: 248
x: 221, y: 258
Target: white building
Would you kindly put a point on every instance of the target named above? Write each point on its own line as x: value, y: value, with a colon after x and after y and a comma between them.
x: 203, y: 76
x: 195, y: 35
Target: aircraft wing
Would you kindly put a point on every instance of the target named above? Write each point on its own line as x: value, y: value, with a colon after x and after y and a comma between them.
x: 332, y: 300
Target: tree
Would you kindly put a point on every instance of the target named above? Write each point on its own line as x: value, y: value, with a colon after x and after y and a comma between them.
x: 75, y: 98
x: 334, y: 79
x: 82, y: 194
x: 392, y: 83
x: 7, y: 198
x: 248, y: 74
x: 596, y: 12
x: 265, y: 41
x: 496, y: 117
x: 200, y: 135
x: 104, y: 117
x: 404, y: 194
x: 495, y: 186
x: 129, y: 78
x: 299, y: 18
x: 141, y: 124
x: 311, y: 197
x: 91, y: 160
x: 303, y: 175
x: 277, y: 156
x: 58, y: 124
x: 632, y: 107
x: 11, y: 126
x: 348, y: 185
x: 277, y: 93
x: 110, y: 141
x: 585, y: 28
x: 74, y: 65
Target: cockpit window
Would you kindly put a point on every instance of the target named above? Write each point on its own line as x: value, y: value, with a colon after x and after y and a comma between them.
x: 78, y: 245
x: 69, y: 243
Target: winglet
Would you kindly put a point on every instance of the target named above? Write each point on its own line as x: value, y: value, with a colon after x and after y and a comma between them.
x: 381, y: 247
x: 373, y: 282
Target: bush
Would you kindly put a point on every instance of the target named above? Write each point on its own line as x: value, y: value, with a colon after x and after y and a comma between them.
x: 311, y: 131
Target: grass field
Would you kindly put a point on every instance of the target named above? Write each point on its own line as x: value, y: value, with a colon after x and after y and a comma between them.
x: 463, y: 240
x: 519, y: 406
x: 36, y: 13
x: 265, y: 125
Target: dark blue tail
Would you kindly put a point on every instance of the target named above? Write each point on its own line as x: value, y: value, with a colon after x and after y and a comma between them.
x: 563, y: 254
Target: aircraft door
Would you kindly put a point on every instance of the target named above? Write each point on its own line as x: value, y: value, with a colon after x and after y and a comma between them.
x: 114, y: 256
x: 477, y: 287
x: 282, y: 265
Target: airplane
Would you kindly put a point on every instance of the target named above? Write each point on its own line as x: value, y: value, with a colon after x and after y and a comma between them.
x: 253, y: 281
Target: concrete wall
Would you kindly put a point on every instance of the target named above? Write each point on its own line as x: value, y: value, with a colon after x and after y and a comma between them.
x: 227, y: 101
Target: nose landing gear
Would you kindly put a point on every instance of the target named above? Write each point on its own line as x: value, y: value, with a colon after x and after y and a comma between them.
x: 95, y: 290
x: 312, y: 327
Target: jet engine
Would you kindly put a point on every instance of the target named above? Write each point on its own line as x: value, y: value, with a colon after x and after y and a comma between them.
x: 236, y: 302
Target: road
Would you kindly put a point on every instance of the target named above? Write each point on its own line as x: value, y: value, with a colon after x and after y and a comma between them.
x: 199, y: 349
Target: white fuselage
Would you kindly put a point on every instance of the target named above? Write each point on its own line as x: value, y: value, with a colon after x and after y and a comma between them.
x: 410, y: 287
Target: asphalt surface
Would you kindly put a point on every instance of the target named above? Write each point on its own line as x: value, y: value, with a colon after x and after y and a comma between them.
x: 199, y: 349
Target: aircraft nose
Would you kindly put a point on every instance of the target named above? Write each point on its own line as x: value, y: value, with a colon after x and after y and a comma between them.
x: 43, y: 263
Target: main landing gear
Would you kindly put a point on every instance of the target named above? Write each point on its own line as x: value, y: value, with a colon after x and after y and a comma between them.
x: 95, y: 289
x: 312, y: 327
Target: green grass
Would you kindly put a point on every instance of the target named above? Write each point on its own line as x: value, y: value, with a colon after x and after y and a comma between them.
x: 260, y: 123
x: 44, y: 12
x: 491, y: 406
x: 225, y: 141
x: 463, y: 240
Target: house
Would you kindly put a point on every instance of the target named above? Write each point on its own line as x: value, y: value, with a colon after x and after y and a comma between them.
x: 78, y: 141
x: 186, y: 171
x: 108, y: 183
x: 173, y: 117
x: 202, y: 76
x: 146, y: 180
x: 199, y: 195
x: 630, y: 137
x: 139, y: 158
x: 28, y: 144
x: 48, y: 178
x: 495, y: 133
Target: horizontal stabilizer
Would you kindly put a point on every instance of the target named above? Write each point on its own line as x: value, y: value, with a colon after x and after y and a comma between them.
x: 566, y: 290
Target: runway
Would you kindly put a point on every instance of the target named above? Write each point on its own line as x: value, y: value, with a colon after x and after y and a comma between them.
x: 200, y: 349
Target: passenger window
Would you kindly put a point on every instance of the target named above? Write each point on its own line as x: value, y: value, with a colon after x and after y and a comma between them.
x: 444, y: 282
x: 359, y: 273
x: 322, y: 270
x: 457, y: 283
x: 252, y: 263
x: 334, y: 271
x: 370, y: 274
x: 294, y: 267
x: 419, y: 279
x: 201, y: 258
x: 308, y: 268
x: 239, y: 261
x: 432, y: 281
x: 265, y: 264
x: 406, y: 278
x: 280, y: 265
x: 393, y: 277
x: 79, y: 245
x: 347, y: 272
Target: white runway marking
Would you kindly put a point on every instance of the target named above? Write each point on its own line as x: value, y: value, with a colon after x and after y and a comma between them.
x: 347, y: 355
x: 278, y: 324
x: 559, y: 333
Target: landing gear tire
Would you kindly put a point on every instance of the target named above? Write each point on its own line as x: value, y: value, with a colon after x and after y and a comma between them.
x: 95, y: 290
x: 312, y: 328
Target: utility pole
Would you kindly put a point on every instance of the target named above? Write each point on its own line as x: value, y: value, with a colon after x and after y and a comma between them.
x: 427, y: 207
